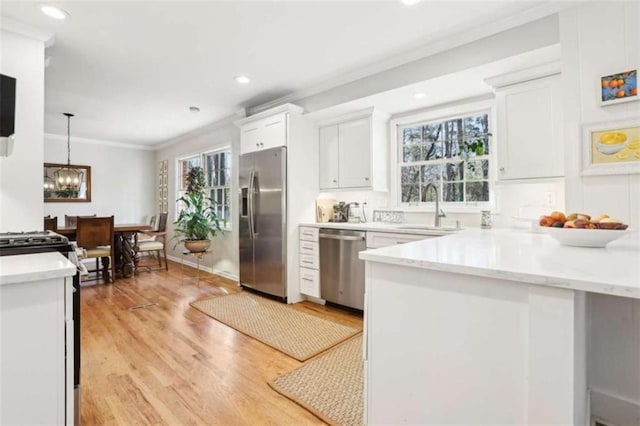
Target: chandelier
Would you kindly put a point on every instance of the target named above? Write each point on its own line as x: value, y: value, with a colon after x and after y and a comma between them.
x: 68, y: 179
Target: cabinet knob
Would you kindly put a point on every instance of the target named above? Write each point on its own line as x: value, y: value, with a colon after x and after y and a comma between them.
x: 367, y: 179
x: 257, y: 145
x: 261, y: 145
x: 335, y: 181
x: 502, y: 169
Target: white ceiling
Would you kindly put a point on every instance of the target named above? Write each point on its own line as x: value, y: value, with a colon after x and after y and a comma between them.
x: 130, y: 70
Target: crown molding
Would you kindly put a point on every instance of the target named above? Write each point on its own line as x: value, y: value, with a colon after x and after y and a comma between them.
x: 20, y: 28
x: 290, y: 108
x: 63, y: 138
x: 227, y: 121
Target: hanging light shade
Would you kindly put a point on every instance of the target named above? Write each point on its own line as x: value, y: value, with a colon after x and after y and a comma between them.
x: 68, y: 179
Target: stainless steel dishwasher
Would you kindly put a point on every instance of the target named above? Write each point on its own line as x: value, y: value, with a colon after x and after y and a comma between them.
x: 341, y: 270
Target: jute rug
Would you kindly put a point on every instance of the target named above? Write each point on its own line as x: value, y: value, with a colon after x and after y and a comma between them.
x: 282, y: 327
x: 331, y: 386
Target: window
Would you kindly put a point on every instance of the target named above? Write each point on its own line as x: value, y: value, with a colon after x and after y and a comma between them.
x: 217, y: 169
x: 453, y: 154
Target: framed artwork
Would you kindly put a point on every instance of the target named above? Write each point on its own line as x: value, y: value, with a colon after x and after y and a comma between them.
x: 57, y: 189
x: 619, y: 87
x: 611, y: 148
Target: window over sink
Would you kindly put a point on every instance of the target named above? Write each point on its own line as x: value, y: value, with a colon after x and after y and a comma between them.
x: 454, y: 152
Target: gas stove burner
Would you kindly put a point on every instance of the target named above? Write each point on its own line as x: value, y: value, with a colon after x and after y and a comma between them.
x: 31, y: 239
x: 2, y: 234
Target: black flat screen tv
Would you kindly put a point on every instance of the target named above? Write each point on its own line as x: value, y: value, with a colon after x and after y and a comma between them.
x: 7, y: 105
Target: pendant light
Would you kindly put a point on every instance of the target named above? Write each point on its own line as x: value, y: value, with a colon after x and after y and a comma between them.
x: 68, y: 180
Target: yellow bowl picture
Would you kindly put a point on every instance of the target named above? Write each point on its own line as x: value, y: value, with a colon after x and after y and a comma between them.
x: 611, y: 142
x: 609, y: 149
x: 612, y: 138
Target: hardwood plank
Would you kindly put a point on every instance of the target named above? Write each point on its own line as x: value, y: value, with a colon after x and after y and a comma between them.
x: 171, y: 364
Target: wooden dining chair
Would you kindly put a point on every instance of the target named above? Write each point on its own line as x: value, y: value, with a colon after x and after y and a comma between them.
x: 51, y: 223
x: 156, y: 244
x: 95, y: 235
x: 71, y: 221
x: 143, y: 236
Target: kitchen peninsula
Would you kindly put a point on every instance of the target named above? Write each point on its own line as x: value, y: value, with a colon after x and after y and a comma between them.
x: 485, y: 327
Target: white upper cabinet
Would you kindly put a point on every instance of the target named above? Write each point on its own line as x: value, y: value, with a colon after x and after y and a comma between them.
x: 329, y: 157
x: 353, y: 153
x: 265, y: 130
x: 529, y: 120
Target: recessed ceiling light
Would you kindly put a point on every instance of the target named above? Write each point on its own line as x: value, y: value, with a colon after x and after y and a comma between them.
x: 419, y: 95
x: 409, y: 2
x: 243, y: 79
x: 54, y: 12
x: 194, y: 109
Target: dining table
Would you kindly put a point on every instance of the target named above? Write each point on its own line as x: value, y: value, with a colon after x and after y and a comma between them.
x: 124, y: 242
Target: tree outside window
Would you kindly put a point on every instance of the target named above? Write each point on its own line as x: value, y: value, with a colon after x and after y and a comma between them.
x: 454, y: 154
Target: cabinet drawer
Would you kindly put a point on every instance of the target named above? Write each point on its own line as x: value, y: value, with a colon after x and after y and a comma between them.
x: 309, y: 261
x: 310, y: 282
x: 308, y: 247
x: 385, y: 239
x: 309, y: 234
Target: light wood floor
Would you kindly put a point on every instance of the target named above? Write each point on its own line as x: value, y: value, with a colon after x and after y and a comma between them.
x: 171, y: 364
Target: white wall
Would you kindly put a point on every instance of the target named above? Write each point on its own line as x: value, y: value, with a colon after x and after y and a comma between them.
x: 123, y: 180
x: 224, y: 257
x: 594, y: 45
x: 21, y: 198
x: 587, y: 40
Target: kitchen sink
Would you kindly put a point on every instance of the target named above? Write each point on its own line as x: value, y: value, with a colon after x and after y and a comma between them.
x: 429, y: 228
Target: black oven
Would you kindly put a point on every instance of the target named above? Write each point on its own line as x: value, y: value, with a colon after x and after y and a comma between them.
x: 16, y: 243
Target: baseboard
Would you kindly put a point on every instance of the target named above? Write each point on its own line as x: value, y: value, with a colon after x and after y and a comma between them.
x: 189, y: 262
x: 227, y: 275
x: 614, y: 409
x: 315, y: 300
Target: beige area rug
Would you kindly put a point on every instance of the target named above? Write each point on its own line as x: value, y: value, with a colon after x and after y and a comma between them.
x: 331, y: 386
x: 282, y: 327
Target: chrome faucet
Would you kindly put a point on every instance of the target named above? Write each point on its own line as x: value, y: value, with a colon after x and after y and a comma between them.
x: 439, y: 213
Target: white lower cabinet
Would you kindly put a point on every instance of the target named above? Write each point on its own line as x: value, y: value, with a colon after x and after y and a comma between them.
x: 386, y: 239
x: 310, y: 282
x: 309, y: 261
x: 309, y: 247
x: 36, y: 336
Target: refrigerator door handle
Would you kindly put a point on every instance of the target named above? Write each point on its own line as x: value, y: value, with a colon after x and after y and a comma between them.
x: 254, y: 178
x: 250, y: 201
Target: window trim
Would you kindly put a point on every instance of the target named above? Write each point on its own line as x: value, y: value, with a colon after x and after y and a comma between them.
x: 441, y: 114
x: 202, y: 154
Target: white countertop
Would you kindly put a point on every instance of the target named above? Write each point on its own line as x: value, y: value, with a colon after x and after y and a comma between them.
x: 396, y: 228
x: 526, y: 257
x: 34, y: 267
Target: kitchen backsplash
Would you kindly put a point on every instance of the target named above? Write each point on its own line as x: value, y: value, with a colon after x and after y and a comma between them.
x: 526, y: 200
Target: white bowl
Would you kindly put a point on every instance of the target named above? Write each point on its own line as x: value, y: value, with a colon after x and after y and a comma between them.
x: 532, y: 222
x: 583, y: 237
x: 609, y: 149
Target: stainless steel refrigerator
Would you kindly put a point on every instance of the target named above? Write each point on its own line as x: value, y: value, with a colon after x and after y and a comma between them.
x: 263, y: 221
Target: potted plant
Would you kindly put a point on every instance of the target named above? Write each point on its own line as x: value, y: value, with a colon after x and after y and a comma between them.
x: 197, y: 221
